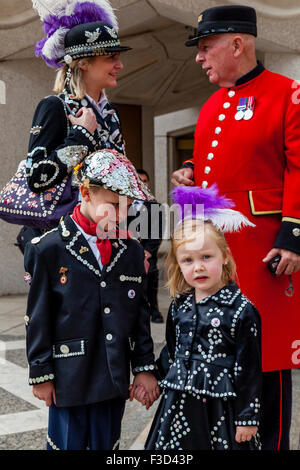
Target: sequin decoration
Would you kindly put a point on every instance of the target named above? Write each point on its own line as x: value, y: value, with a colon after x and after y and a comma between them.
x: 115, y: 172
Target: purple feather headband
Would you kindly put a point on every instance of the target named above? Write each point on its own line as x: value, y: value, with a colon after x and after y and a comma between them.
x: 83, y: 12
x: 206, y: 204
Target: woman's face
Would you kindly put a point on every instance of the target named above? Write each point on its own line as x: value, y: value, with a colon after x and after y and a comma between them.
x: 103, y: 70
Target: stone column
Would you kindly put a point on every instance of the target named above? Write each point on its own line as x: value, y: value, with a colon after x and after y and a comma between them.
x: 166, y: 127
x: 148, y: 143
x: 284, y: 63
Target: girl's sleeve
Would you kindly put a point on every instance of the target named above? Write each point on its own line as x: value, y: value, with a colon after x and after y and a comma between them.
x: 55, y: 146
x: 38, y: 317
x: 166, y: 357
x: 247, y: 367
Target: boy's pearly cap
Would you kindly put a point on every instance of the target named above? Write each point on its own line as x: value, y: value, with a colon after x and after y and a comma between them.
x: 113, y: 171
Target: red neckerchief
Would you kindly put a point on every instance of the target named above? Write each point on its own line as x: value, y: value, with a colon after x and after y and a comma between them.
x: 103, y: 244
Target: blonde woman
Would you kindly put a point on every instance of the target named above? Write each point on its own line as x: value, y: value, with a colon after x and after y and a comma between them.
x: 82, y: 43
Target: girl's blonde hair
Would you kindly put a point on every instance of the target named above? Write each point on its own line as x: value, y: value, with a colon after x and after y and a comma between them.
x: 76, y: 84
x: 187, y: 231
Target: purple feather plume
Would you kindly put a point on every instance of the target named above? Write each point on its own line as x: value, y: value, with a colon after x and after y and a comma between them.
x: 189, y: 197
x: 85, y: 12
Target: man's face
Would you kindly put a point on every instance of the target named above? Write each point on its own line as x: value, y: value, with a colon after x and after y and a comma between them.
x: 216, y: 55
x: 144, y: 178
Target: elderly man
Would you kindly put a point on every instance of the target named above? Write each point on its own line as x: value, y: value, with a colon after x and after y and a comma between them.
x: 247, y: 140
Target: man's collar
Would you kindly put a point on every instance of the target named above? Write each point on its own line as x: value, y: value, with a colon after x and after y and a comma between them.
x: 250, y: 75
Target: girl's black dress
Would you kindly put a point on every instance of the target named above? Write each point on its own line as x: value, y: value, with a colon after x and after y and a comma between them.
x: 213, y: 376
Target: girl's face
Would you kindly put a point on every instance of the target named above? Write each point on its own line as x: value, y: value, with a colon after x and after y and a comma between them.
x: 103, y: 70
x: 201, y: 263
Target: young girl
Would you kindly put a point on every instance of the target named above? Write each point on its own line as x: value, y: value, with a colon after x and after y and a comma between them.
x: 211, y: 391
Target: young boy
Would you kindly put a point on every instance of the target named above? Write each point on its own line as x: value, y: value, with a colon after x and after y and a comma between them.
x: 87, y: 317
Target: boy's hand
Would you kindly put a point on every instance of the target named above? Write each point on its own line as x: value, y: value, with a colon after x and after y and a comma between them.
x: 245, y: 433
x: 45, y: 392
x: 150, y: 391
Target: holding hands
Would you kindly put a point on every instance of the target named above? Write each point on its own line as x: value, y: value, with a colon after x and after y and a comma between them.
x: 145, y: 389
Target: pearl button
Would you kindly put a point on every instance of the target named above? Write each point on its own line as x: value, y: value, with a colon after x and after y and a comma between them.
x: 190, y: 333
x: 215, y: 143
x: 210, y: 156
x: 296, y: 232
x: 64, y: 349
x: 187, y: 353
x: 207, y: 170
x: 222, y: 117
x: 109, y: 337
x: 204, y: 184
x: 226, y: 105
x: 103, y: 284
x: 218, y: 130
x: 231, y: 93
x: 107, y: 310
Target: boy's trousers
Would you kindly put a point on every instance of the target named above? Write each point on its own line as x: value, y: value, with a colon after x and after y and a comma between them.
x: 96, y: 426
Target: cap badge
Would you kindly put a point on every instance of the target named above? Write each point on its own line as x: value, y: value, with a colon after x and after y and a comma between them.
x: 200, y: 18
x: 92, y: 36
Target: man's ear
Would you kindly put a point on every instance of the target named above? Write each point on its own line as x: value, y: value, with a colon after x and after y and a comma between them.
x: 238, y: 46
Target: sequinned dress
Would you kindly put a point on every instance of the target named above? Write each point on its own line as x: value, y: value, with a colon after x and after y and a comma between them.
x: 213, y: 382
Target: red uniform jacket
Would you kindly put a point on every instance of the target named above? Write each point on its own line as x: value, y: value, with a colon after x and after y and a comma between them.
x: 256, y: 163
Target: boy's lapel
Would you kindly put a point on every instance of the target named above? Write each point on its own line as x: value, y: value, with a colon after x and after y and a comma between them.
x: 119, y: 247
x: 77, y: 246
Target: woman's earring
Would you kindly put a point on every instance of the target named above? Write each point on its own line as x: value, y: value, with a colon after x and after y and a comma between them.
x: 68, y: 76
x: 68, y: 60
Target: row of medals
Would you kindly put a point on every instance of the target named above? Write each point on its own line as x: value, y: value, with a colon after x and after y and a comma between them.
x: 245, y: 109
x: 247, y: 115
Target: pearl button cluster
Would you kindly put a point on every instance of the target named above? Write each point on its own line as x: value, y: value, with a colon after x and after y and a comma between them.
x: 215, y: 142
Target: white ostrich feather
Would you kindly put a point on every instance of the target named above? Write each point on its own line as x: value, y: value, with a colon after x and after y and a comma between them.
x: 48, y: 7
x: 229, y: 220
x: 66, y: 8
x: 54, y: 47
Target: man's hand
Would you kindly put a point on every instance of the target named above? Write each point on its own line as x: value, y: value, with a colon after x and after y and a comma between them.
x: 86, y: 118
x: 289, y: 263
x: 245, y: 433
x: 45, y: 392
x: 183, y: 177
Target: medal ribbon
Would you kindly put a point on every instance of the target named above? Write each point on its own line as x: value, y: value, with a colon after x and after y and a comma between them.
x: 250, y: 103
x: 242, y: 104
